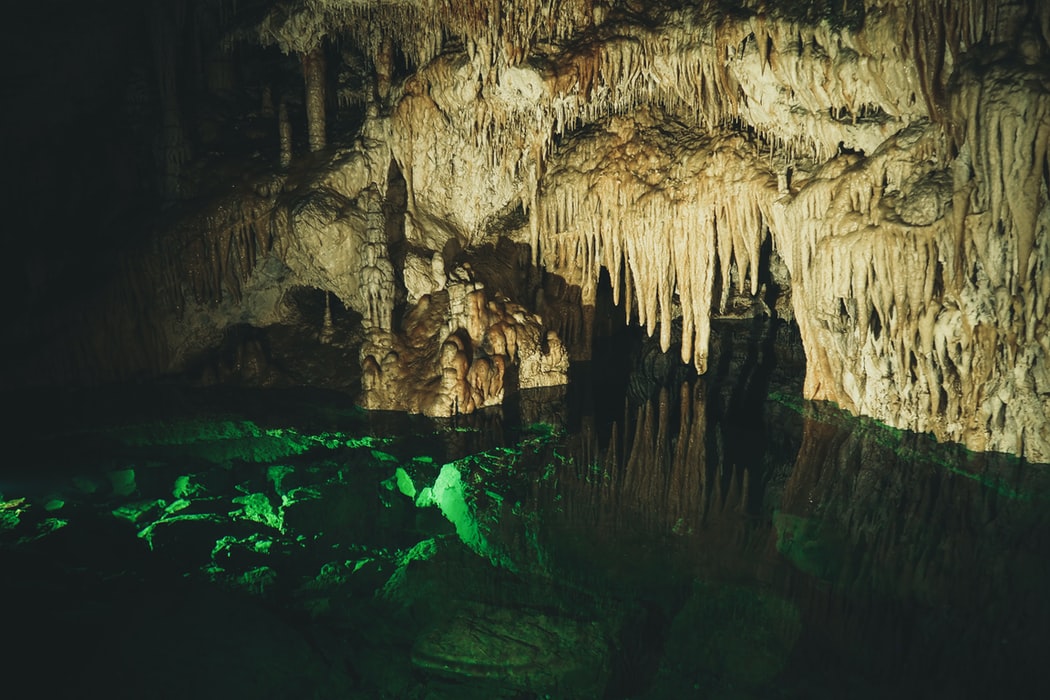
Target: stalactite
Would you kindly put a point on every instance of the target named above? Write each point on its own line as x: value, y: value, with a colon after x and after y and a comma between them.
x: 167, y: 22
x: 384, y: 65
x: 668, y: 206
x: 377, y: 272
x: 1007, y: 128
x: 918, y: 341
x: 919, y: 268
x: 313, y: 65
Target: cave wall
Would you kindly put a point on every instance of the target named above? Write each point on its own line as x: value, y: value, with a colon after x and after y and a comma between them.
x: 891, y: 157
x: 897, y: 156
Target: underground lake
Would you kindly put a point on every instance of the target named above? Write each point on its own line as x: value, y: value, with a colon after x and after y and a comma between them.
x: 643, y: 533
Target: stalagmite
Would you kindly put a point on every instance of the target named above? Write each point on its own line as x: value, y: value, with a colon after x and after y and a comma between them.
x: 284, y: 131
x: 326, y: 325
x: 455, y: 346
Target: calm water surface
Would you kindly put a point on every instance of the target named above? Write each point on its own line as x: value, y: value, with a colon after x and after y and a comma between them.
x: 646, y: 534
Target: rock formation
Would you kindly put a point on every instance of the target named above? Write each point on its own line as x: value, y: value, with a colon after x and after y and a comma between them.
x: 886, y: 163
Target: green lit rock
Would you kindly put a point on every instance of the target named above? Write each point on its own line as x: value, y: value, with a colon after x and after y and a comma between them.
x: 381, y: 456
x: 225, y: 547
x: 809, y: 545
x: 404, y: 483
x: 255, y: 581
x: 9, y: 518
x: 336, y: 592
x: 43, y: 529
x: 422, y: 551
x: 188, y: 535
x: 367, y: 441
x: 403, y: 487
x: 138, y: 512
x: 398, y: 587
x: 449, y: 494
x: 185, y: 487
x: 177, y: 505
x: 122, y: 482
x: 258, y: 508
x: 50, y: 525
x: 517, y: 648
x: 276, y: 473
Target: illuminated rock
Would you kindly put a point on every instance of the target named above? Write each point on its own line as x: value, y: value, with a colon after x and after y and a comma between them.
x: 885, y: 160
x: 453, y: 351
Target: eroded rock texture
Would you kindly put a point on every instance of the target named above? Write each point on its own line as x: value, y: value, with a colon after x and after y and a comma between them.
x: 885, y: 162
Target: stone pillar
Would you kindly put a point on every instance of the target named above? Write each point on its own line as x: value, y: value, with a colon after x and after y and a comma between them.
x: 266, y: 105
x: 313, y: 65
x: 284, y: 128
x: 384, y: 69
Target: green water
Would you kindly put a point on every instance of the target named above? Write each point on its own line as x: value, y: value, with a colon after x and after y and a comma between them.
x: 644, y: 535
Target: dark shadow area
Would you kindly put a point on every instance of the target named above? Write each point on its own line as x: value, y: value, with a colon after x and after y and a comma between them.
x: 645, y: 534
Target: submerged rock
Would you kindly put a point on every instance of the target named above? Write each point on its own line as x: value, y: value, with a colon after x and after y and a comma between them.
x: 517, y: 648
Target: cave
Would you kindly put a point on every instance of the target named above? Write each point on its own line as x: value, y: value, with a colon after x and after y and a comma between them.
x: 529, y: 349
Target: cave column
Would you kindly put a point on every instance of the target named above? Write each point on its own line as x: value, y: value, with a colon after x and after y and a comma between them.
x: 313, y: 65
x: 284, y: 129
x: 384, y: 63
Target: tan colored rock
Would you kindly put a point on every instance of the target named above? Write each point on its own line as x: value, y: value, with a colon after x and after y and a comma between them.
x: 898, y: 168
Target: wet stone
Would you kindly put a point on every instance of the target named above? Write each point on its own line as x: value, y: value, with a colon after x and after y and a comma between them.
x: 518, y: 648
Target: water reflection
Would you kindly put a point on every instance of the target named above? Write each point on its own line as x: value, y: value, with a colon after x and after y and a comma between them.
x: 655, y: 535
x: 934, y: 561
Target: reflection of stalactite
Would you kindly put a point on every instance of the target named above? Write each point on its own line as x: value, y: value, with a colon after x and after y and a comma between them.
x: 889, y: 541
x: 652, y: 474
x: 871, y: 509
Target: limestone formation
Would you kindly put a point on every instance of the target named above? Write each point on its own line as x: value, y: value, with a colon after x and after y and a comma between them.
x: 886, y: 163
x: 455, y: 351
